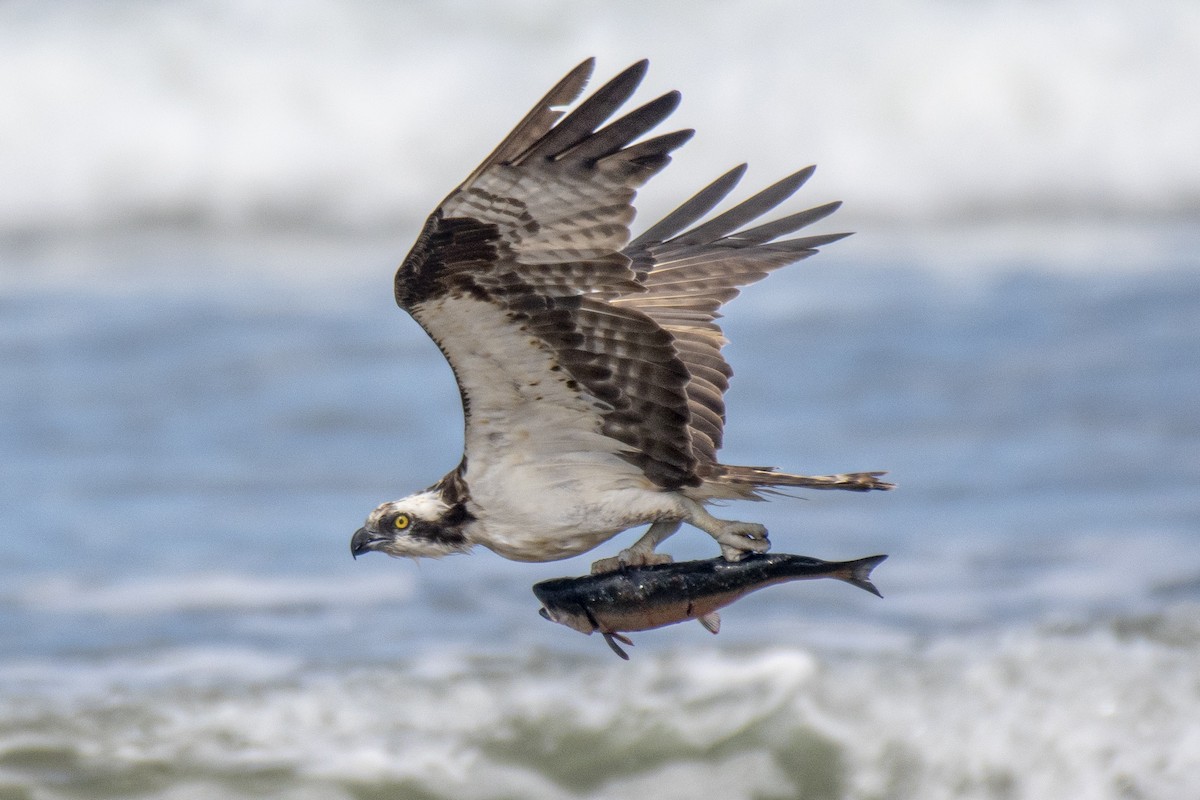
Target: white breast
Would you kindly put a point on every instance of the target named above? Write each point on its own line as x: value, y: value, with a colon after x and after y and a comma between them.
x: 545, y: 483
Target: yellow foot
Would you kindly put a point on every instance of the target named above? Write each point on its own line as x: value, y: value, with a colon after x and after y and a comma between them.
x: 630, y: 558
x: 739, y: 538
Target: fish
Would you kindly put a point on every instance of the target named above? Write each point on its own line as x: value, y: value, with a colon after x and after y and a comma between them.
x: 641, y: 598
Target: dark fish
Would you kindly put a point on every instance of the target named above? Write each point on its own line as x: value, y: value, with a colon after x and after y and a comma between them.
x: 641, y: 598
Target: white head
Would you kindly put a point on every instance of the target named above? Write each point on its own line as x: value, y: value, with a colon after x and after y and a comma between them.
x: 417, y: 526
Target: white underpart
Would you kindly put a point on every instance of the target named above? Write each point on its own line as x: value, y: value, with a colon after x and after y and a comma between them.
x: 545, y: 483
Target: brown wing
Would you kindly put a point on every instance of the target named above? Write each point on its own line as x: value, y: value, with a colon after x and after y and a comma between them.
x: 689, y: 274
x: 514, y: 276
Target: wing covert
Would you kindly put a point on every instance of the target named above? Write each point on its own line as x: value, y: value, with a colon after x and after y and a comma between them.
x: 688, y: 273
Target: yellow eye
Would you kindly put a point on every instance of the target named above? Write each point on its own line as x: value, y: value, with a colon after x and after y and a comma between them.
x: 401, y: 522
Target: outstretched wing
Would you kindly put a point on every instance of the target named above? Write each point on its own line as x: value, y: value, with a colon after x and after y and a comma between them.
x: 688, y: 274
x: 515, y: 277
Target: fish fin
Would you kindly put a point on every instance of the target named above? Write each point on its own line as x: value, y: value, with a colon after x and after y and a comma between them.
x: 858, y: 573
x: 711, y: 622
x: 610, y: 639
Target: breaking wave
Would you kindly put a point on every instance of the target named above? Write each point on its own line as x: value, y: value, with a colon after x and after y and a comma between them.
x: 1089, y: 711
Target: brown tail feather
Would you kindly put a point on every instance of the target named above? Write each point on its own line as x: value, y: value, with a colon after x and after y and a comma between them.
x: 766, y: 477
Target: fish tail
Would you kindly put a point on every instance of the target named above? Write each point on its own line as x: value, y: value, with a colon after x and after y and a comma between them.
x: 858, y: 573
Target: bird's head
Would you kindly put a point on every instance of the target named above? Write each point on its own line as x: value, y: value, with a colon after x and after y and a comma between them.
x: 422, y: 525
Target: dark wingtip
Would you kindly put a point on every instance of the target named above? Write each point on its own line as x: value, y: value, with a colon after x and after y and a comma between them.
x: 639, y: 67
x: 578, y: 77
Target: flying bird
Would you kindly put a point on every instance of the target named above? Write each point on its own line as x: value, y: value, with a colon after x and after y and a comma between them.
x: 589, y: 364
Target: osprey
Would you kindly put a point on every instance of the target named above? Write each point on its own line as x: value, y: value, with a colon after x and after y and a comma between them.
x: 589, y: 365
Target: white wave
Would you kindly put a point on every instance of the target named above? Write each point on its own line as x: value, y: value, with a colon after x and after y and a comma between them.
x: 133, y: 674
x: 206, y: 591
x: 360, y: 114
x: 1106, y: 711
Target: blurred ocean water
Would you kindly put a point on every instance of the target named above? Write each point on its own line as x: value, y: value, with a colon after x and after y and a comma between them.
x: 205, y: 386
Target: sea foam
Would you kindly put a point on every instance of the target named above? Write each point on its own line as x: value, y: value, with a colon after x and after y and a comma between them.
x: 1094, y: 711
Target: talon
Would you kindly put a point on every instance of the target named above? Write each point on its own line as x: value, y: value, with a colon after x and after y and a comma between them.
x: 733, y: 554
x: 611, y: 564
x: 751, y: 530
x: 742, y: 538
x: 643, y: 558
x: 739, y: 550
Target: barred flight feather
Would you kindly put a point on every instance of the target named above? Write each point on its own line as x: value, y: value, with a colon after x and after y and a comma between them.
x: 626, y: 329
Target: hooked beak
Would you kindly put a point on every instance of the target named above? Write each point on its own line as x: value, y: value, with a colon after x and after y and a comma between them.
x: 361, y: 542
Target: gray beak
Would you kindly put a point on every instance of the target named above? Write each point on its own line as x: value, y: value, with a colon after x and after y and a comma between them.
x: 360, y: 543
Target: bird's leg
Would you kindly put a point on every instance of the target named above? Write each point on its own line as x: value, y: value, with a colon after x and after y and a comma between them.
x: 736, y: 538
x: 642, y: 552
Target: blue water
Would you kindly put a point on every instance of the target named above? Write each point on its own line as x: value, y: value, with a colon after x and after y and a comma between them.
x: 190, y: 438
x: 205, y: 386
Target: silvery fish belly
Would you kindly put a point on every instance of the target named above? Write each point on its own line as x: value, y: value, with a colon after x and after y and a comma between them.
x: 642, y: 598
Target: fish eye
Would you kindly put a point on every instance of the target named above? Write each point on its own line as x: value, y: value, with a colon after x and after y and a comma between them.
x: 401, y: 522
